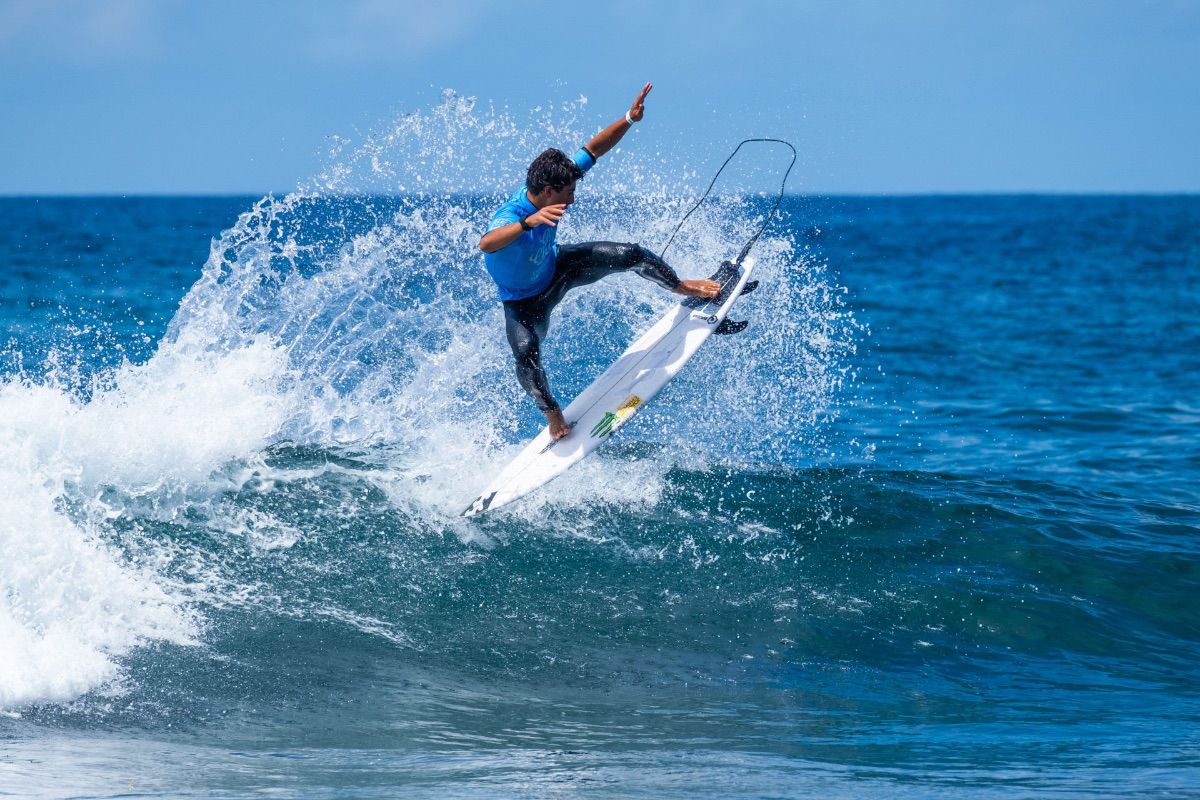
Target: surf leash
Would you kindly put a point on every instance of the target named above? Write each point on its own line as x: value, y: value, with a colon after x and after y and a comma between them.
x: 766, y: 220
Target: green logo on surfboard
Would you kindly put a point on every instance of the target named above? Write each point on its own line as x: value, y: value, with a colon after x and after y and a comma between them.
x: 614, y: 419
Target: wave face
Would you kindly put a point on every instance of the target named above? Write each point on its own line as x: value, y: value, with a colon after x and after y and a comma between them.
x: 930, y: 531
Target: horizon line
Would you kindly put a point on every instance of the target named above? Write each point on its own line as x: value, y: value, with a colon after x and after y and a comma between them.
x: 163, y: 195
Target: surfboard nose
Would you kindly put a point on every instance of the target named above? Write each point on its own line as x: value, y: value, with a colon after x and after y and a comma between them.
x: 479, y: 505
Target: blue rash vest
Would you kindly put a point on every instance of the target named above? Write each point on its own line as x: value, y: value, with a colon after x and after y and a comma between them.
x: 526, y: 265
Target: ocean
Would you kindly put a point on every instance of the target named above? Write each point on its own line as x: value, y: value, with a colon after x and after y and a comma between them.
x: 927, y: 528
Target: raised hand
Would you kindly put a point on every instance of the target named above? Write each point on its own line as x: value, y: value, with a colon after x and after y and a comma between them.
x: 547, y: 215
x: 638, y: 109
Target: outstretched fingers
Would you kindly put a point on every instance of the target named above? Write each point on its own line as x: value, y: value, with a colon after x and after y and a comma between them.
x: 639, y: 105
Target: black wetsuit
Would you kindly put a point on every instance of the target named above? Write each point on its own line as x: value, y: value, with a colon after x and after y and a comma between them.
x: 527, y: 320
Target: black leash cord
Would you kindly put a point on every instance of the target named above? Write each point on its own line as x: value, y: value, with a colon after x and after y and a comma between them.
x: 766, y: 221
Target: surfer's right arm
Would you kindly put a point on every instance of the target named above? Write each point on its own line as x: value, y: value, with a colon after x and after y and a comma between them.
x: 502, y: 237
x: 607, y: 139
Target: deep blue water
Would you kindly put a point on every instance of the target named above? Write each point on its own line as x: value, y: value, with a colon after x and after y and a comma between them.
x: 928, y: 528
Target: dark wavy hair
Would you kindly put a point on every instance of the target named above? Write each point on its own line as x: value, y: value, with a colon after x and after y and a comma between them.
x: 552, y: 168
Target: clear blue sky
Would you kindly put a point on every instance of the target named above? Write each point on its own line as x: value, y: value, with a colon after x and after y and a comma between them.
x: 165, y: 96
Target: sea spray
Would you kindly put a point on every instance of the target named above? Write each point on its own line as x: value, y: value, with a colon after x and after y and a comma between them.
x: 341, y: 361
x: 391, y: 323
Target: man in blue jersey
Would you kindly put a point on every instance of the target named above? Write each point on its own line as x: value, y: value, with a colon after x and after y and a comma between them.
x: 533, y: 273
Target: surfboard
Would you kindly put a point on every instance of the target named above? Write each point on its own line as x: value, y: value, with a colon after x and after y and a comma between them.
x: 615, y: 397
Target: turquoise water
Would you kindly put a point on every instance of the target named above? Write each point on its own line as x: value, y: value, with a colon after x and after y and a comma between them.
x: 927, y: 528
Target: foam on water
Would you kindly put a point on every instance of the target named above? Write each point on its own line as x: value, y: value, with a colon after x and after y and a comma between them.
x: 72, y: 599
x: 354, y: 316
x: 69, y: 605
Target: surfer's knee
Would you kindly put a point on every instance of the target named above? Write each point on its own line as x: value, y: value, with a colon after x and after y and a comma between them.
x: 615, y: 255
x: 521, y: 333
x: 525, y: 347
x: 633, y: 254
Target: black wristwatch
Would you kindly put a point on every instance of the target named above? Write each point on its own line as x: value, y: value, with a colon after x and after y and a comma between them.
x: 525, y: 226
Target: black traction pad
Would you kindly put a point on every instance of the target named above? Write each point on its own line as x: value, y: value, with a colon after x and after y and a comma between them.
x: 727, y: 275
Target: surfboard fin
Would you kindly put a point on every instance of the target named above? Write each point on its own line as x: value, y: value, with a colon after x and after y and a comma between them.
x: 729, y: 327
x: 749, y: 287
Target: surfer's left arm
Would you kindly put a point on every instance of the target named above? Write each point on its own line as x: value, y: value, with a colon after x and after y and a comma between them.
x: 607, y: 139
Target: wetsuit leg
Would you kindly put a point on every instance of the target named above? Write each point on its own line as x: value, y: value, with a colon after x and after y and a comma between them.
x: 527, y: 321
x: 580, y: 264
x: 525, y: 329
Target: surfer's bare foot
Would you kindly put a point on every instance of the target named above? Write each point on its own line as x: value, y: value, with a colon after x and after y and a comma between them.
x: 700, y: 288
x: 558, y: 425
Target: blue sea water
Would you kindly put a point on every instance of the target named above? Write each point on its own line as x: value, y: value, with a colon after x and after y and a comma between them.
x: 927, y: 528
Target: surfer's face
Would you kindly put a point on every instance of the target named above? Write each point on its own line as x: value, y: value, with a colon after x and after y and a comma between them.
x: 565, y: 195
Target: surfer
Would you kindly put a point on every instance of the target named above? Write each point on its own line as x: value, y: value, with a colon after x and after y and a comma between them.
x: 533, y: 273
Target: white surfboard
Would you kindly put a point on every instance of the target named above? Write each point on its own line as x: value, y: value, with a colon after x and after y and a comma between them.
x: 612, y: 399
